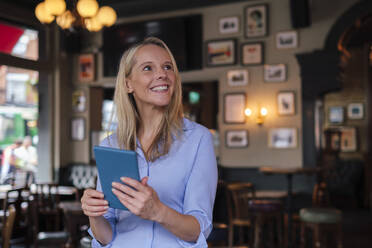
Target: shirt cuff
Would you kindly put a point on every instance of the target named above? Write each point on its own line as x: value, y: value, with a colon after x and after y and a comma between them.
x: 205, y: 230
x: 96, y: 244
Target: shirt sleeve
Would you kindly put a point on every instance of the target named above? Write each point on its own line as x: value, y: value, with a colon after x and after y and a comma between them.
x: 110, y: 217
x: 201, y: 190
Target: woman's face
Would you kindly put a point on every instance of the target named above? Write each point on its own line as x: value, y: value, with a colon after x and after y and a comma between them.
x: 152, y: 78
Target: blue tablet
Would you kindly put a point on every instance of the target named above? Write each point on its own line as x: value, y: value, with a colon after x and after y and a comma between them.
x: 113, y: 163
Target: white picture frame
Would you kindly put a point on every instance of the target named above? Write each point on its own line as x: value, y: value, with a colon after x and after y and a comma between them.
x: 286, y: 40
x: 275, y: 73
x: 336, y: 114
x: 236, y: 138
x: 282, y: 138
x: 234, y: 106
x: 355, y: 111
x: 286, y: 103
x: 252, y: 53
x: 237, y: 77
x: 229, y: 25
x: 78, y: 129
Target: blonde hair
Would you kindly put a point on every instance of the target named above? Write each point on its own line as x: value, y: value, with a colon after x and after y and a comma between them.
x: 127, y: 114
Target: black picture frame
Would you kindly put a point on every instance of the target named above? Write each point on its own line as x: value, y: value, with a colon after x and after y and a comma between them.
x: 221, y: 52
x: 258, y: 25
x: 252, y: 57
x: 236, y: 138
x: 234, y: 105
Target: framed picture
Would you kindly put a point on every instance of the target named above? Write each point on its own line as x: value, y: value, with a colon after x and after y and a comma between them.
x: 256, y: 22
x: 229, y: 25
x: 336, y: 114
x: 287, y: 39
x: 286, y: 103
x: 348, y: 139
x: 234, y: 106
x: 78, y: 128
x: 221, y: 52
x: 282, y: 138
x: 275, y: 73
x: 355, y: 111
x: 86, y: 68
x: 252, y: 53
x: 79, y: 100
x: 237, y: 77
x: 236, y: 138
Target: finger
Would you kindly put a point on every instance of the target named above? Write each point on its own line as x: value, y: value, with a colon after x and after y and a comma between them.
x: 93, y: 209
x: 129, y: 202
x: 94, y: 193
x: 127, y: 190
x: 144, y: 181
x: 132, y: 182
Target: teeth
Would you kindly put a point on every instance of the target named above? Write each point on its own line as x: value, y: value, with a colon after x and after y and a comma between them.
x: 160, y: 88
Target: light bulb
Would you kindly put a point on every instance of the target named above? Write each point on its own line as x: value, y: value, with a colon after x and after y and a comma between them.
x: 87, y: 8
x: 248, y: 112
x: 42, y: 15
x: 263, y: 111
x: 106, y: 15
x: 55, y: 7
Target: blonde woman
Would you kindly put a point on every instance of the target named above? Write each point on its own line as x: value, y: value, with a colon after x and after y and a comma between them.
x: 172, y: 205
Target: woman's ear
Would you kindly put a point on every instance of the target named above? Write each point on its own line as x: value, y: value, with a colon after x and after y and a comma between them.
x: 129, y: 86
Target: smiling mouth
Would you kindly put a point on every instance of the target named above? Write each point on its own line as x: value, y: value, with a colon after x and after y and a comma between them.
x: 161, y: 88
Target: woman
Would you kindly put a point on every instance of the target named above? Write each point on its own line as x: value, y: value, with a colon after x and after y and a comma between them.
x: 172, y: 204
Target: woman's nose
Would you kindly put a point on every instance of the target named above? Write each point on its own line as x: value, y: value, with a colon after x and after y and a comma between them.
x: 161, y: 73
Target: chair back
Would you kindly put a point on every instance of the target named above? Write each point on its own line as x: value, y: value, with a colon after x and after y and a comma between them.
x: 8, y: 227
x: 47, y: 196
x: 238, y: 195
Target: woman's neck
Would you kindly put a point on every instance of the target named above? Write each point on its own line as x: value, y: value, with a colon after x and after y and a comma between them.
x: 150, y: 122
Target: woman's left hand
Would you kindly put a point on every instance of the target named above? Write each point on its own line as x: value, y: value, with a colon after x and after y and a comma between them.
x: 141, y: 199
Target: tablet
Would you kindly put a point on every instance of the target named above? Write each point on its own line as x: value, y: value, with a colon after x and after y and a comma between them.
x: 113, y: 163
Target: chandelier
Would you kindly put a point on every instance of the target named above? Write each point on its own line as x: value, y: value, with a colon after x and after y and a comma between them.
x: 85, y: 13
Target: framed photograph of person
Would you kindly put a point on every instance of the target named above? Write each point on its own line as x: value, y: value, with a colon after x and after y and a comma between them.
x: 286, y: 103
x: 252, y: 53
x: 256, y: 21
x: 86, y: 68
x: 286, y: 39
x: 236, y: 138
x: 229, y: 25
x: 348, y: 139
x: 234, y: 105
x: 78, y: 128
x: 237, y: 77
x: 336, y: 114
x: 275, y: 73
x: 355, y: 111
x: 282, y: 138
x: 220, y: 52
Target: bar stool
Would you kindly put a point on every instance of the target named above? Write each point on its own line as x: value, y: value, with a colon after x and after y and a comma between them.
x: 321, y: 221
x: 267, y: 212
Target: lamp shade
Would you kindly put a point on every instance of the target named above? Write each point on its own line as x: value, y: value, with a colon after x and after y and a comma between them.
x: 55, y: 7
x: 93, y: 25
x: 42, y: 15
x: 87, y: 8
x: 65, y: 20
x: 106, y: 15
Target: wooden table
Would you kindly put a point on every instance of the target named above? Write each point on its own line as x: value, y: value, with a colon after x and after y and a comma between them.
x: 289, y: 172
x: 74, y: 219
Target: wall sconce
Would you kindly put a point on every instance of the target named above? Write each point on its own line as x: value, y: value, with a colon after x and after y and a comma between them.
x: 261, y: 114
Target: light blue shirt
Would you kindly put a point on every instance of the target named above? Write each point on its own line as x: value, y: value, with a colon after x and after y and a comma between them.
x: 185, y: 179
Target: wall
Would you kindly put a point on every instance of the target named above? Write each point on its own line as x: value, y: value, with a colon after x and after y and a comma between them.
x: 323, y: 13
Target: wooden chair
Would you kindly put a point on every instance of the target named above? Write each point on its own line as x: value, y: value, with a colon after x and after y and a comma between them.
x: 238, y: 196
x: 8, y: 227
x: 48, y: 199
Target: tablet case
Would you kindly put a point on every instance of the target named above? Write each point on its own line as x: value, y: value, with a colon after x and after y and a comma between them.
x: 113, y: 163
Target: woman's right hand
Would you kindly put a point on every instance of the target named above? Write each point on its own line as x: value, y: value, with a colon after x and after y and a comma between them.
x: 93, y: 203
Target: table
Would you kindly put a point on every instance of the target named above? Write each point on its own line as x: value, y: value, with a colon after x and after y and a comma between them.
x: 74, y: 219
x: 289, y: 172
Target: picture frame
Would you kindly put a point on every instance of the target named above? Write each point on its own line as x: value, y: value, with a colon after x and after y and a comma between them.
x: 229, y: 25
x: 335, y: 114
x: 286, y: 103
x: 256, y: 21
x: 220, y: 52
x: 252, y: 53
x: 79, y: 100
x: 236, y: 138
x: 282, y: 138
x: 78, y: 128
x: 355, y: 111
x: 287, y: 39
x: 237, y: 77
x: 275, y: 73
x: 234, y: 106
x: 348, y: 139
x: 86, y: 68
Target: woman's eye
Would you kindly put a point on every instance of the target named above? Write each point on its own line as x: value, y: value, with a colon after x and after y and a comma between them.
x: 168, y: 67
x: 147, y: 68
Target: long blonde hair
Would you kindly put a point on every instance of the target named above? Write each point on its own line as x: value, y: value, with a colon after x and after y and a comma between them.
x: 127, y: 113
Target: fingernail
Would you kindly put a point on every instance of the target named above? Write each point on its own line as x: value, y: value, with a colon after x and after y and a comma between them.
x: 106, y: 207
x: 122, y: 178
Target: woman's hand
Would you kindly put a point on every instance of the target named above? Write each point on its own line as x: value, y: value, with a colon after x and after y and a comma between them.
x: 141, y: 199
x: 93, y: 203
